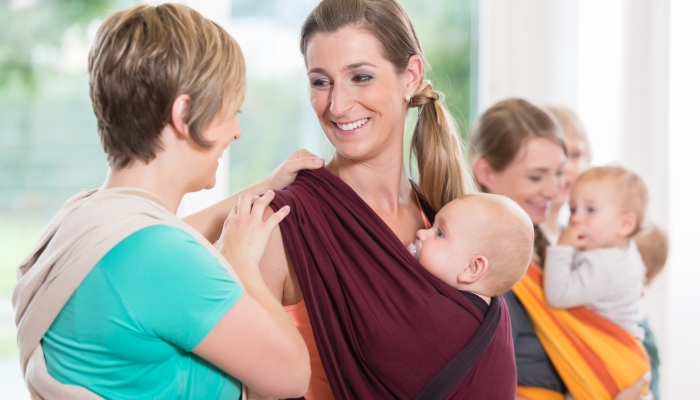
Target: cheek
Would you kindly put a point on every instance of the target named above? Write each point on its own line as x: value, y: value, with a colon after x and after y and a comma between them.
x: 318, y: 102
x: 522, y: 190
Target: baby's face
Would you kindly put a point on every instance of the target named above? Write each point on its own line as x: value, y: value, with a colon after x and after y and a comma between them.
x: 444, y: 248
x: 596, y: 214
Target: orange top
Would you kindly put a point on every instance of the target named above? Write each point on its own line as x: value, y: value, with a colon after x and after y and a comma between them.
x: 319, y: 389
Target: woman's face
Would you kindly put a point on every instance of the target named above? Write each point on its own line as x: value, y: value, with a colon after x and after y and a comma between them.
x: 576, y: 163
x: 221, y: 132
x: 357, y: 95
x: 533, y: 179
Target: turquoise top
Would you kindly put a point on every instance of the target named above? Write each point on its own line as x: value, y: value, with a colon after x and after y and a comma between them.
x: 129, y: 329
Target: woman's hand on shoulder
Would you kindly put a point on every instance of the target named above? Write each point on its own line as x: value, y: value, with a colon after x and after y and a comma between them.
x: 246, y: 233
x: 286, y: 172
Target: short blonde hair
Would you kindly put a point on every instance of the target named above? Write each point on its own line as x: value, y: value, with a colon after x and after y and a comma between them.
x: 142, y: 59
x: 507, y: 241
x: 572, y: 126
x: 630, y: 186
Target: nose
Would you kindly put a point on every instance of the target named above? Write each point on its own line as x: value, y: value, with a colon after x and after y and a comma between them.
x: 422, y: 234
x: 552, y: 187
x: 236, y: 130
x: 575, y: 217
x: 340, y: 101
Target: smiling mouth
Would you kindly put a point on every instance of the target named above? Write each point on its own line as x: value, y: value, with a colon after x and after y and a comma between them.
x: 352, y: 125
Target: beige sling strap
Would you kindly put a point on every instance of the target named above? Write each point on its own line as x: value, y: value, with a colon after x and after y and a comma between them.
x: 89, y: 225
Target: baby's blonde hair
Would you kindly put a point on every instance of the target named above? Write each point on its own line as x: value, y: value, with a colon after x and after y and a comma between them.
x: 628, y: 184
x: 506, y: 241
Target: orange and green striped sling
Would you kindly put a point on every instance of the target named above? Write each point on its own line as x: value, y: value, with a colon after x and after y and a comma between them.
x: 594, y: 357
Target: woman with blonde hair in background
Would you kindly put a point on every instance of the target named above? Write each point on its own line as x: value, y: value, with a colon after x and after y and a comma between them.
x: 120, y: 298
x: 578, y: 153
x: 520, y: 153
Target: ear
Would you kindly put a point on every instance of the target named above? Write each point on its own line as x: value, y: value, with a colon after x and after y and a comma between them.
x: 475, y: 270
x: 413, y: 75
x: 181, y: 106
x: 627, y: 225
x: 483, y: 173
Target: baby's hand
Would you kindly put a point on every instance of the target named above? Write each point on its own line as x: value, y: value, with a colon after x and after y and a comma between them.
x: 572, y: 237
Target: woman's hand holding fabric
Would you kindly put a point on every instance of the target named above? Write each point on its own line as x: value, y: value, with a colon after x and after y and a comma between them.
x: 245, y: 234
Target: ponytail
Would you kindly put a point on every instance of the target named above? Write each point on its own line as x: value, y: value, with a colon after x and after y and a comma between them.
x: 438, y: 150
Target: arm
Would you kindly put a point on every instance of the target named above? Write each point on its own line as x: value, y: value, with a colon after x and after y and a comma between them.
x: 256, y: 341
x: 566, y: 287
x: 210, y: 221
x: 633, y: 392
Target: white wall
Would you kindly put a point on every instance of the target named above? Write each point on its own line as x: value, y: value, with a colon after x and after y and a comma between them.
x: 630, y: 69
x: 682, y: 316
x: 527, y: 49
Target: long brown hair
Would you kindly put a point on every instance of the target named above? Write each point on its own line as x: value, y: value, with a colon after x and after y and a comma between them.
x: 436, y: 145
x: 502, y: 130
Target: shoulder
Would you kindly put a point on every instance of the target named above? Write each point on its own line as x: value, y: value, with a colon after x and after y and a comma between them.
x: 161, y: 252
x: 155, y: 242
x: 607, y: 256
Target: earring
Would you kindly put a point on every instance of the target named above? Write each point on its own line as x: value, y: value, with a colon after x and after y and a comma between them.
x: 408, y: 98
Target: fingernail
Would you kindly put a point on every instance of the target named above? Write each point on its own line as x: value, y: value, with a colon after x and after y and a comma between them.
x: 318, y: 161
x: 287, y: 207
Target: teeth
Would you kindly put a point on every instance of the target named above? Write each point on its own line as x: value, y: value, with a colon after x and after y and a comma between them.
x: 356, y: 124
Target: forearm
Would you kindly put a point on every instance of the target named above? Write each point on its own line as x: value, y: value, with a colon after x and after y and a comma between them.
x: 564, y: 287
x: 256, y: 288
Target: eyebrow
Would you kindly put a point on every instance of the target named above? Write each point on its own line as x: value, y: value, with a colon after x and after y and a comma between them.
x: 349, y: 67
x: 538, y: 170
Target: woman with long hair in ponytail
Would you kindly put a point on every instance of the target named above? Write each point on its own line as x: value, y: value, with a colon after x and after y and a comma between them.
x: 376, y: 323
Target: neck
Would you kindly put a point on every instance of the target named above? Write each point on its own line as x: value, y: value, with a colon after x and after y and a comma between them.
x: 154, y: 177
x: 474, y: 288
x: 381, y: 183
x: 621, y: 243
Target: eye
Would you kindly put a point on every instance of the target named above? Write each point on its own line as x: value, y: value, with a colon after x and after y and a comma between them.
x: 573, y: 210
x: 362, y: 78
x: 590, y: 210
x: 534, y: 178
x: 560, y: 172
x: 440, y: 234
x: 575, y: 155
x: 320, y: 83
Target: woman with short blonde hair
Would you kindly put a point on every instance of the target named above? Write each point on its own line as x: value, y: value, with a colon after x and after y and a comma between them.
x: 121, y: 299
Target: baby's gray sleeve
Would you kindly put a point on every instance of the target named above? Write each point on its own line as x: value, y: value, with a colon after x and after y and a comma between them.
x: 571, y: 278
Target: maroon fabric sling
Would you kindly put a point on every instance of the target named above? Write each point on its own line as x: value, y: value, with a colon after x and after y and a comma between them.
x: 384, y: 326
